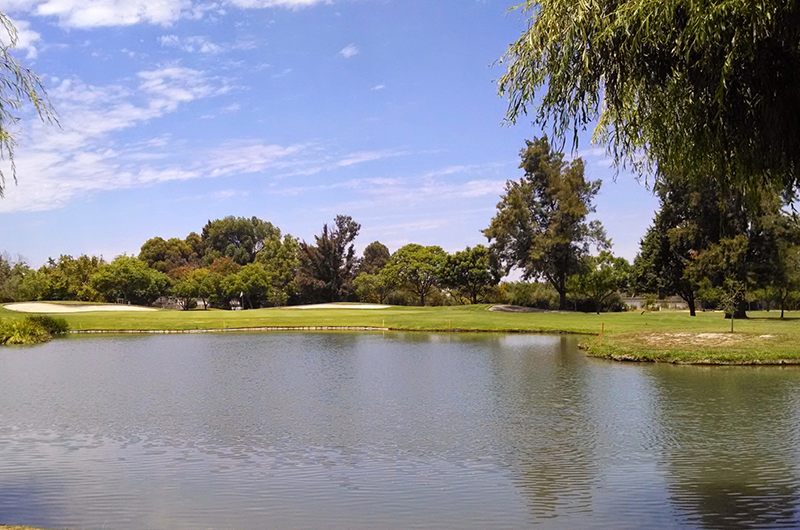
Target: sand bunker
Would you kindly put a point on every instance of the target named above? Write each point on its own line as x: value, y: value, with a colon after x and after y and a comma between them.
x: 340, y: 306
x: 505, y: 308
x: 43, y: 307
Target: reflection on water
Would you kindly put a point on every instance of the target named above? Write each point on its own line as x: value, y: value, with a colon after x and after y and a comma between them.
x: 388, y: 431
x: 733, y: 465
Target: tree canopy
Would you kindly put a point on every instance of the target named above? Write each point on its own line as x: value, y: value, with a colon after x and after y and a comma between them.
x: 541, y: 226
x: 705, y: 235
x: 417, y: 268
x: 238, y: 238
x: 376, y: 256
x: 131, y: 280
x: 168, y: 255
x: 327, y: 269
x: 471, y: 272
x: 708, y: 90
x: 604, y: 276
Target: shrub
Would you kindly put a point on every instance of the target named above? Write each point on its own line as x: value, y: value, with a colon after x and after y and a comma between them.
x: 23, y: 331
x: 54, y: 326
x: 539, y: 295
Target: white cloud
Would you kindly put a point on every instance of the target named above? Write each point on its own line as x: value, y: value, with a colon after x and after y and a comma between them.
x: 367, y: 156
x: 378, y: 87
x: 291, y: 4
x: 173, y: 86
x: 58, y: 165
x: 349, y: 51
x: 283, y: 73
x: 99, y: 13
x: 26, y: 38
x: 196, y: 44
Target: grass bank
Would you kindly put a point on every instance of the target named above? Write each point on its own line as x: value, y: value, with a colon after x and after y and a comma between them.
x: 662, y: 337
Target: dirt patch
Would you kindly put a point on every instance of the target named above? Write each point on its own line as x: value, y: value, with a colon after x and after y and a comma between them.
x: 676, y: 340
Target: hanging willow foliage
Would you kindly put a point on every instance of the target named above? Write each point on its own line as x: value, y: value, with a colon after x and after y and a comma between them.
x: 18, y: 85
x: 702, y: 88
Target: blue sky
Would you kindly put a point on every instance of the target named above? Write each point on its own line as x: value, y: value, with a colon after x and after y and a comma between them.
x: 175, y: 112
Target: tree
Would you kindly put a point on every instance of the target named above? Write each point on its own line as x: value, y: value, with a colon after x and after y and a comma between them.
x: 604, y: 276
x: 131, y: 280
x: 707, y: 90
x: 327, y: 269
x: 374, y: 288
x: 281, y: 261
x: 660, y: 266
x: 224, y: 267
x: 376, y: 256
x: 788, y: 277
x: 194, y: 284
x: 18, y: 85
x: 695, y: 219
x: 238, y: 238
x: 186, y: 291
x: 12, y: 274
x: 471, y: 272
x: 417, y: 269
x: 67, y: 278
x: 256, y: 285
x: 541, y: 225
x: 167, y: 255
x: 212, y: 285
x: 724, y: 265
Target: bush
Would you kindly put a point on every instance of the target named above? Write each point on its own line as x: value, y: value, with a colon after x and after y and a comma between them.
x: 22, y: 332
x: 538, y: 295
x: 54, y: 326
x: 587, y: 305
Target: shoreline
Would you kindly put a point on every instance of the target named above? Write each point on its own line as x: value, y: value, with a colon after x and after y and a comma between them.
x: 665, y: 337
x: 260, y: 329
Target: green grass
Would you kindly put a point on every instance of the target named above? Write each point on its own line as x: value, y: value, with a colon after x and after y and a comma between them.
x: 660, y: 336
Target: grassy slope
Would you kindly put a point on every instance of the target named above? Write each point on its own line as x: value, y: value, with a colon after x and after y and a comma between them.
x: 666, y: 336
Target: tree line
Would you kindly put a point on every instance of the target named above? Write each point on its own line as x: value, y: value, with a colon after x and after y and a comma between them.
x: 248, y: 261
x: 713, y: 243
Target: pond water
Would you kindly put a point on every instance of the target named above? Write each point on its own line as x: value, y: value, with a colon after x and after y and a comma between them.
x: 374, y: 431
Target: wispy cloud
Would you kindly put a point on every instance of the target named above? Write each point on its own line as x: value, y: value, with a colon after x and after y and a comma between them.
x: 196, y: 44
x: 59, y: 165
x: 86, y: 157
x: 282, y: 73
x: 100, y: 13
x: 349, y: 51
x: 378, y: 87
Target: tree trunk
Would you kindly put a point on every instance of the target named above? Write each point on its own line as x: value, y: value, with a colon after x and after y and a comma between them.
x: 783, y: 302
x: 741, y: 311
x: 562, y: 300
x: 691, y: 302
x: 422, y: 299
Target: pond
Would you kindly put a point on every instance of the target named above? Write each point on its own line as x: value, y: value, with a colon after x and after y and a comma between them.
x: 374, y: 431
